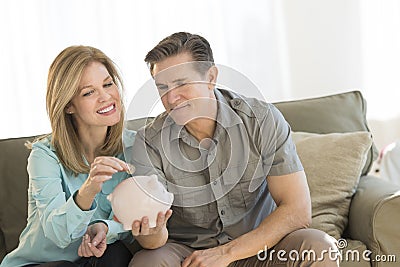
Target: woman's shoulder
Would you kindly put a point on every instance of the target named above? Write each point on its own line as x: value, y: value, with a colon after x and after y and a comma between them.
x: 42, y: 146
x: 128, y: 137
x: 43, y: 142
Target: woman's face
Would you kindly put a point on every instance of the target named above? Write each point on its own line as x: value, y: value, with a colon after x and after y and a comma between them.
x: 97, y: 103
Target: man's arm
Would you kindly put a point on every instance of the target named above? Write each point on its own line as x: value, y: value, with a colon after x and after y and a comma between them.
x: 292, y: 197
x: 291, y: 194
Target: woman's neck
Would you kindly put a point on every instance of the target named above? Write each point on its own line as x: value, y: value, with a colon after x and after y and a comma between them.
x: 91, y: 141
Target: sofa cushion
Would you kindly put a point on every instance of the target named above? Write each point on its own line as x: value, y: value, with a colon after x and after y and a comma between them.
x: 333, y: 164
x: 339, y: 113
x: 13, y: 190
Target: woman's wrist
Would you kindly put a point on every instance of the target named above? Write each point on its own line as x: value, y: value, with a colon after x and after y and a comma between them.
x: 83, y: 201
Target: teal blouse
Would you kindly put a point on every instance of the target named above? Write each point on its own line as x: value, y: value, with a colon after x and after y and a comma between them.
x: 55, y: 223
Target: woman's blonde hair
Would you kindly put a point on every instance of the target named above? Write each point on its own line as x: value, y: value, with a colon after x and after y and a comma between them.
x: 62, y: 85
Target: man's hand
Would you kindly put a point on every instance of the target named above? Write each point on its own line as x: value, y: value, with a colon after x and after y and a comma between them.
x: 142, y: 227
x: 152, y: 238
x: 94, y: 241
x: 213, y: 257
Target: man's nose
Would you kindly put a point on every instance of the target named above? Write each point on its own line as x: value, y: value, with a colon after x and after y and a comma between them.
x: 172, y: 96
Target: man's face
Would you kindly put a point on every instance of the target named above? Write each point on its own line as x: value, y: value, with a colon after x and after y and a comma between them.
x: 186, y: 93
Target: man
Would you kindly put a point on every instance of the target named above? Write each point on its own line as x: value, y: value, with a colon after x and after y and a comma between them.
x: 239, y: 185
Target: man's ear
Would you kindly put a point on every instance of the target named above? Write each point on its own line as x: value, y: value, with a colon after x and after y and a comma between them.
x: 212, y: 75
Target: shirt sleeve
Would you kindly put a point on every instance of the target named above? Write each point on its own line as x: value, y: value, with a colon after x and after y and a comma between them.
x: 62, y: 220
x: 145, y: 157
x: 277, y: 147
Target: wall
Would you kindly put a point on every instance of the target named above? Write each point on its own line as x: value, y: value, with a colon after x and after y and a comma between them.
x: 325, y: 56
x: 323, y: 46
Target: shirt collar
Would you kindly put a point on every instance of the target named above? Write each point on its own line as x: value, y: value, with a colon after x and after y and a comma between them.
x: 226, y: 118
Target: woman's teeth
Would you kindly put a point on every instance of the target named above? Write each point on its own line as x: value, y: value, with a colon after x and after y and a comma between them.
x: 107, y: 109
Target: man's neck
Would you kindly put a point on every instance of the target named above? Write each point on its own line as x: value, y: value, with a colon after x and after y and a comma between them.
x: 201, y: 128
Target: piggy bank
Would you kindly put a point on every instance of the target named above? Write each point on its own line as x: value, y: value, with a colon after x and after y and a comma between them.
x: 139, y: 196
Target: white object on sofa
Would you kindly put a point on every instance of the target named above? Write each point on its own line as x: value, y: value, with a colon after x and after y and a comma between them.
x: 390, y: 163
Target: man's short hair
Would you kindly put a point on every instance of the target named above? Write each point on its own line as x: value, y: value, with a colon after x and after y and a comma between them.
x: 180, y: 42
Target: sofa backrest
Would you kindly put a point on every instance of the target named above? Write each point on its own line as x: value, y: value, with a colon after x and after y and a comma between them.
x: 339, y: 113
x: 13, y: 191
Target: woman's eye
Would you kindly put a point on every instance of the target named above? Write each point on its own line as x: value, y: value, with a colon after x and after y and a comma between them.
x: 108, y: 84
x: 88, y: 93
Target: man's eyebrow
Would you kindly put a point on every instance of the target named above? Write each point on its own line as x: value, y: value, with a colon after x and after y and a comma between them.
x: 179, y: 80
x: 174, y: 81
x: 87, y: 86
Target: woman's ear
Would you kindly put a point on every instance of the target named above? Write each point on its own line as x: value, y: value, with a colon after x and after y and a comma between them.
x: 69, y: 109
x: 212, y: 75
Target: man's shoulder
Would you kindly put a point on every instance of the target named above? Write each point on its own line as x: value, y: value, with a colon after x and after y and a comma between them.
x: 154, y: 128
x: 246, y: 106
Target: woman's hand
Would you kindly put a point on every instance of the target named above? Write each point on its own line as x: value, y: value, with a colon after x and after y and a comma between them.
x: 94, y: 241
x: 151, y: 238
x: 101, y: 170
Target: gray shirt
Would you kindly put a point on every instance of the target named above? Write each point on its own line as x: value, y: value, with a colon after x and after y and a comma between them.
x: 219, y: 184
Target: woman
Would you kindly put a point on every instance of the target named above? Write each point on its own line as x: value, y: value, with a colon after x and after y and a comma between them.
x: 72, y: 170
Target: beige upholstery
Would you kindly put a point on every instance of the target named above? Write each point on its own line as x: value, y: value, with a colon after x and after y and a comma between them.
x: 375, y: 218
x: 333, y: 175
x: 351, y: 256
x: 374, y: 210
x: 340, y: 113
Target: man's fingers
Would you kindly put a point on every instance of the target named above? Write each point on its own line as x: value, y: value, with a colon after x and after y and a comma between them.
x: 160, y: 220
x: 168, y: 214
x: 163, y: 218
x: 135, y: 228
x: 144, y: 229
x: 186, y: 262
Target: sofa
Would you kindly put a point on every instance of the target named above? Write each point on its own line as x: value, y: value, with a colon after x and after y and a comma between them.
x: 360, y: 210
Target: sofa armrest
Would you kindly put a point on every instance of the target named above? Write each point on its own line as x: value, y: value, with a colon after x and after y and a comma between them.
x: 374, y: 219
